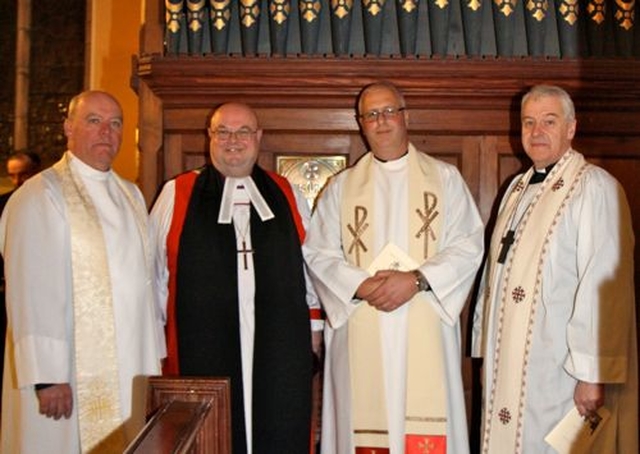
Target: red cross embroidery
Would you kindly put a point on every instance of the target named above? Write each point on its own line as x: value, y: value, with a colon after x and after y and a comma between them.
x: 504, y: 416
x: 557, y: 185
x: 518, y: 294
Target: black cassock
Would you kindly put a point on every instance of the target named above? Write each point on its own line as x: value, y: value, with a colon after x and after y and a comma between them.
x: 207, y: 314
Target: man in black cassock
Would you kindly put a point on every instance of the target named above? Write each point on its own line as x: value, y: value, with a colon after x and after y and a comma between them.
x: 233, y: 289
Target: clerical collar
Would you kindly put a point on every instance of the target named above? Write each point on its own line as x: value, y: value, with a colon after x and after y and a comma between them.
x: 242, y: 184
x: 388, y: 160
x: 539, y: 175
x: 86, y: 170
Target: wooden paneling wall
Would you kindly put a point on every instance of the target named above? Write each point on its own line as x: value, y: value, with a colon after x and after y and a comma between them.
x: 464, y: 110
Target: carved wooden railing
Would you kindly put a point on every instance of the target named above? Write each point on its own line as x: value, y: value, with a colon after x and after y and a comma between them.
x: 188, y: 415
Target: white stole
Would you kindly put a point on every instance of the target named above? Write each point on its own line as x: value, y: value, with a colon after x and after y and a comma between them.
x: 519, y: 295
x: 96, y: 361
x: 426, y: 387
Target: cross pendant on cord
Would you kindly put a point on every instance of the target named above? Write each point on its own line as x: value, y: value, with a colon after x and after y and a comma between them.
x: 244, y: 251
x: 506, y: 241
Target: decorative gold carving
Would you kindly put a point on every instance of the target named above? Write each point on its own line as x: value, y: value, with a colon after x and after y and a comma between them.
x: 195, y: 14
x: 569, y: 11
x: 538, y: 9
x: 279, y: 10
x: 310, y: 10
x: 249, y: 12
x: 442, y: 4
x: 474, y: 5
x: 597, y: 10
x: 408, y: 5
x: 195, y: 5
x: 624, y: 13
x: 173, y: 11
x: 341, y: 8
x: 309, y: 173
x: 220, y: 13
x: 373, y: 7
x: 506, y: 7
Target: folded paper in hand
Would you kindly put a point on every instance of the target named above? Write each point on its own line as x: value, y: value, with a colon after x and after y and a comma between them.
x: 391, y: 257
x: 575, y: 434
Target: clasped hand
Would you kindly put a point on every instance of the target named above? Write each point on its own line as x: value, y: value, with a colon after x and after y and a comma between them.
x: 387, y: 290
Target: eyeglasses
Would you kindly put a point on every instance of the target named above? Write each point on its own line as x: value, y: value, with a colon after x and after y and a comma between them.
x: 388, y: 113
x: 241, y: 134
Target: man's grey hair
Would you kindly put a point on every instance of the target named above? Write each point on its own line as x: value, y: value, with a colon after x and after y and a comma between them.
x: 377, y: 85
x: 542, y: 91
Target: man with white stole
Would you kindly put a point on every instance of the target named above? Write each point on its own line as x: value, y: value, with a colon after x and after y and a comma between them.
x: 393, y: 248
x: 555, y: 320
x: 83, y: 330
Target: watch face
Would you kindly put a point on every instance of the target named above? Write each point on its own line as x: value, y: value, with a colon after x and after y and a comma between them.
x: 421, y: 281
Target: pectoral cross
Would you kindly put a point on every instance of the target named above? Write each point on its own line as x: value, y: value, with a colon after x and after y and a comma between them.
x: 244, y: 251
x: 506, y: 241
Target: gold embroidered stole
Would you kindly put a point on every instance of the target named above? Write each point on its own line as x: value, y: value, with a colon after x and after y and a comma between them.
x: 426, y: 387
x: 519, y: 293
x: 96, y: 363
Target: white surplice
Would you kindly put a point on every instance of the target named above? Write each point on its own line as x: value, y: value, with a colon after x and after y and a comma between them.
x: 450, y: 273
x: 161, y: 217
x: 584, y: 326
x: 34, y: 239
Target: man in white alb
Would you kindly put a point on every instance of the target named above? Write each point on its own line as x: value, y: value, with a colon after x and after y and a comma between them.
x: 555, y: 320
x: 393, y: 248
x: 82, y: 323
x: 232, y: 285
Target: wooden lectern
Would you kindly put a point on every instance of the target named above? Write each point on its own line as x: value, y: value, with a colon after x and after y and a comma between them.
x: 187, y: 415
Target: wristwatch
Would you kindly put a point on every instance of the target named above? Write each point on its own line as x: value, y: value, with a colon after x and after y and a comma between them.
x: 421, y: 281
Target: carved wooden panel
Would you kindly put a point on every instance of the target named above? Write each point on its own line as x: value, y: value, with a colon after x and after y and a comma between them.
x: 202, y: 403
x: 172, y: 429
